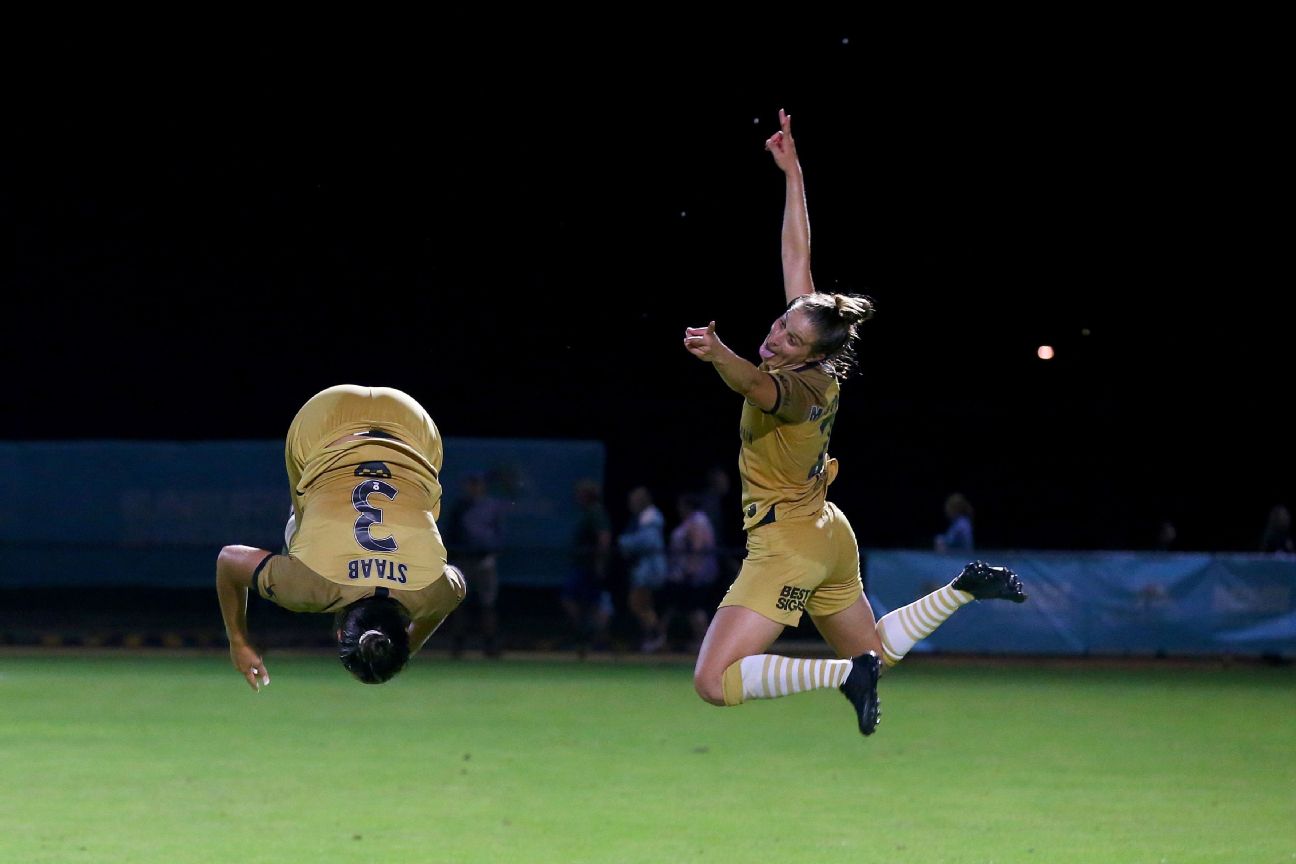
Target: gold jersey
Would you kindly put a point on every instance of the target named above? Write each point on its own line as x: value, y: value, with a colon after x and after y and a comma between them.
x: 784, y: 463
x: 364, y: 464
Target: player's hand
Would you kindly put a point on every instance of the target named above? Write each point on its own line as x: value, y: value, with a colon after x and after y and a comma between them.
x: 780, y: 144
x: 702, y: 342
x: 249, y: 664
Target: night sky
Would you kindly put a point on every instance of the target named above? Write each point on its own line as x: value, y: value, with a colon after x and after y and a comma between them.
x: 516, y: 229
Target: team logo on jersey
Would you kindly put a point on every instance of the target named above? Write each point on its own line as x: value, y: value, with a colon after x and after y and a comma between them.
x: 816, y: 411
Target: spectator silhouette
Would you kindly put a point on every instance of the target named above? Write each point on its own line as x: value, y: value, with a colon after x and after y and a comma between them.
x: 1277, y: 539
x: 691, y: 572
x: 722, y: 509
x: 958, y: 536
x: 476, y: 534
x: 644, y: 544
x: 585, y: 596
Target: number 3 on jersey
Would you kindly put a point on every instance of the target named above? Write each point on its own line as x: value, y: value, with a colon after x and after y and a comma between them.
x: 371, y: 516
x: 825, y: 429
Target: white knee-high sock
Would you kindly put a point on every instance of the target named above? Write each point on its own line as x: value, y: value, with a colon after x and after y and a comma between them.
x: 769, y: 676
x: 905, y: 627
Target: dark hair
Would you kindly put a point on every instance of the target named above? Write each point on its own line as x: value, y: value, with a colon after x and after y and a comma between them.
x: 836, y: 319
x: 373, y: 642
x: 959, y: 504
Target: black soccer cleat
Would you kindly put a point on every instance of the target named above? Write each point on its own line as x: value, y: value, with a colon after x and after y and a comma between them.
x: 860, y: 687
x: 990, y: 583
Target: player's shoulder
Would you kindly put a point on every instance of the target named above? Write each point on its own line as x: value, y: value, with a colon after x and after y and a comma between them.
x: 812, y: 375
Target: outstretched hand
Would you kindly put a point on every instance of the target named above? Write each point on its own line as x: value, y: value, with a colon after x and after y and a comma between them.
x: 249, y: 663
x: 781, y: 145
x: 702, y: 342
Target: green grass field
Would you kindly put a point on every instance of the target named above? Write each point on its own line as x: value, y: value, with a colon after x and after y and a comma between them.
x: 152, y: 758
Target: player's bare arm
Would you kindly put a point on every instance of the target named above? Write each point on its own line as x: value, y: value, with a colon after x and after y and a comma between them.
x: 421, y: 629
x: 796, y: 223
x: 740, y: 375
x: 234, y: 568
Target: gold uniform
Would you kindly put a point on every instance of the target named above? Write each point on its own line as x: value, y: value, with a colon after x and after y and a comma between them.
x: 363, y: 464
x: 801, y: 551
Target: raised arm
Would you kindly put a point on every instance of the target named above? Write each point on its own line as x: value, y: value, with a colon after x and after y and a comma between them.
x: 796, y: 221
x: 234, y: 568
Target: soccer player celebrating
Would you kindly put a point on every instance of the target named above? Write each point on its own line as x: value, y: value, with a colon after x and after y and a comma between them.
x: 362, y: 540
x: 801, y: 551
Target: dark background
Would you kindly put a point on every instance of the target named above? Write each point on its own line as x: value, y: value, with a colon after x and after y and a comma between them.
x: 515, y: 227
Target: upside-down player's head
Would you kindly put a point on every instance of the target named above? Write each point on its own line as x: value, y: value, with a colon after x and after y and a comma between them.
x: 373, y: 639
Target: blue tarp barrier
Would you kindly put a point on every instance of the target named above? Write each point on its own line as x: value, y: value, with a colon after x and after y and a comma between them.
x: 1108, y: 602
x: 156, y: 514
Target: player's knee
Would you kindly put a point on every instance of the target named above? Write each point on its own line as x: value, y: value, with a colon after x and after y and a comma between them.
x: 227, y: 556
x: 237, y: 559
x: 710, y: 687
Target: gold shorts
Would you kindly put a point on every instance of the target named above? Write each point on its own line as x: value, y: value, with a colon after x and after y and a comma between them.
x: 287, y: 582
x: 809, y: 564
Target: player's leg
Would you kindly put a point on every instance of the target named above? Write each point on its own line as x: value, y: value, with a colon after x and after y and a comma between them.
x: 842, y: 615
x: 852, y: 631
x: 736, y: 633
x: 785, y: 564
x: 408, y: 420
x: 838, y: 608
x: 300, y: 432
x: 900, y: 630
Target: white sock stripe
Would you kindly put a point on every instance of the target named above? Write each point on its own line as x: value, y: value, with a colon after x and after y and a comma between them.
x: 901, y: 629
x: 946, y: 601
x: 905, y: 617
x: 935, y: 611
x: 749, y: 669
x: 925, y: 617
x: 770, y: 676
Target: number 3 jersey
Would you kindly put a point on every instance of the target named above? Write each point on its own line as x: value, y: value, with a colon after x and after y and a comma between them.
x: 784, y: 463
x: 364, y: 464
